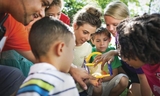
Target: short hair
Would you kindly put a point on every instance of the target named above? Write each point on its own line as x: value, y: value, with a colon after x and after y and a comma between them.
x: 99, y: 31
x: 117, y: 10
x: 57, y: 3
x: 140, y: 37
x: 88, y: 14
x: 45, y: 32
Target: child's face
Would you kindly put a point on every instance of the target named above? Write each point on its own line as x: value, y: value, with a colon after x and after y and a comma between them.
x: 111, y: 24
x: 68, y: 55
x: 136, y: 63
x: 54, y: 11
x: 101, y: 41
x: 83, y: 33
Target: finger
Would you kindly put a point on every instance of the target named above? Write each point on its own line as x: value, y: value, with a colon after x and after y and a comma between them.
x: 82, y: 84
x: 97, y: 61
x: 92, y: 77
x: 109, y: 61
x: 97, y: 58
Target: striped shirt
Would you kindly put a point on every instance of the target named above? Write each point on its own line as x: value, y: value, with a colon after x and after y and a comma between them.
x: 45, y: 80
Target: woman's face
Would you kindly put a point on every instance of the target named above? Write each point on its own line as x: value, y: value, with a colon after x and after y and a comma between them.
x: 111, y: 24
x: 83, y: 33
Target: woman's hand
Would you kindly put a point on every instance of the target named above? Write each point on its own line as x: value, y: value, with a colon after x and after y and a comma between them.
x: 107, y: 57
x: 80, y: 75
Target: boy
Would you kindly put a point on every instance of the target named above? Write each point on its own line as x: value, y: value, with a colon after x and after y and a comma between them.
x: 52, y: 44
x: 117, y: 82
x: 139, y: 44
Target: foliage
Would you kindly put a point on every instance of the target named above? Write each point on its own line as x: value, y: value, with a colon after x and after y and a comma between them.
x: 135, y: 6
x: 72, y: 6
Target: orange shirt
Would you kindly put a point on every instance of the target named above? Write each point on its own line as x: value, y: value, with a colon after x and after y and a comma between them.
x: 16, y: 35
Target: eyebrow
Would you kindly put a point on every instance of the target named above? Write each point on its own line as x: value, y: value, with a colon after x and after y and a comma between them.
x: 86, y: 31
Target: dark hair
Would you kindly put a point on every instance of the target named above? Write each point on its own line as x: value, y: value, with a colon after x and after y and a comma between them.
x: 88, y: 14
x: 99, y: 31
x: 140, y: 37
x: 56, y: 3
x: 45, y: 32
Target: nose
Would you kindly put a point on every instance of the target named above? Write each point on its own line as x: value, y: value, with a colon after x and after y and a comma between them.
x: 110, y: 28
x: 42, y: 12
x: 102, y: 43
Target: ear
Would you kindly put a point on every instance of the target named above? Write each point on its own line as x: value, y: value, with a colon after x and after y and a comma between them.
x: 75, y: 26
x: 59, y: 48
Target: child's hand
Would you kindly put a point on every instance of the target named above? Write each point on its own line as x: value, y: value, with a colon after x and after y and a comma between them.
x: 96, y: 82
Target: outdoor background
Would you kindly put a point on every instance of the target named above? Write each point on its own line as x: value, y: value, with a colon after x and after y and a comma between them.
x: 136, y: 7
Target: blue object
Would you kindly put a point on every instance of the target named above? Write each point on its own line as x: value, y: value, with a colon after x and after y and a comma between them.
x: 86, y: 67
x: 110, y: 69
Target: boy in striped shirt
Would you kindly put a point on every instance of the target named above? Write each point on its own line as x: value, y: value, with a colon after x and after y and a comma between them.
x: 52, y: 44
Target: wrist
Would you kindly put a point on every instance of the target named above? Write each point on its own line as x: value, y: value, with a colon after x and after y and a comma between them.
x: 72, y: 68
x: 115, y: 52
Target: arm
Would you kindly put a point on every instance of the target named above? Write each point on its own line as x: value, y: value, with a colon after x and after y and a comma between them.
x: 28, y: 55
x: 145, y: 88
x: 106, y: 57
x: 80, y: 75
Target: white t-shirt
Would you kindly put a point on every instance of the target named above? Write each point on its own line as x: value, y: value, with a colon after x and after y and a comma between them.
x: 80, y: 53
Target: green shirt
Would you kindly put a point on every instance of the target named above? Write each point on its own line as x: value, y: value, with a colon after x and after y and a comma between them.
x: 114, y: 64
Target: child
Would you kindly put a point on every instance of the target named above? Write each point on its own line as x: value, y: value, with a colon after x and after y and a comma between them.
x: 139, y: 42
x: 55, y: 11
x: 101, y: 39
x: 52, y: 44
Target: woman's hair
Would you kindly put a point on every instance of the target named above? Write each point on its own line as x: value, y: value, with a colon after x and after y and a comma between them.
x: 88, y: 14
x: 100, y: 31
x: 140, y: 38
x: 117, y: 10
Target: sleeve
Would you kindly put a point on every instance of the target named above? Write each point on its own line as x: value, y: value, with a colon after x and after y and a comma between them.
x: 65, y: 19
x: 17, y: 36
x: 89, y: 47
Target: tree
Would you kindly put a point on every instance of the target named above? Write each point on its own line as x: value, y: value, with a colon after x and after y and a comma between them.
x: 136, y: 7
x: 72, y: 6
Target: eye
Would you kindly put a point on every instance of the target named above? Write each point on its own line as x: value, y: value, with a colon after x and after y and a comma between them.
x: 105, y: 39
x: 97, y: 40
x: 115, y: 24
x: 85, y: 32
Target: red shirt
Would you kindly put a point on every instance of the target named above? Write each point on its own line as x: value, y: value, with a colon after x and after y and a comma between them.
x: 16, y: 36
x: 65, y: 19
x: 152, y: 73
